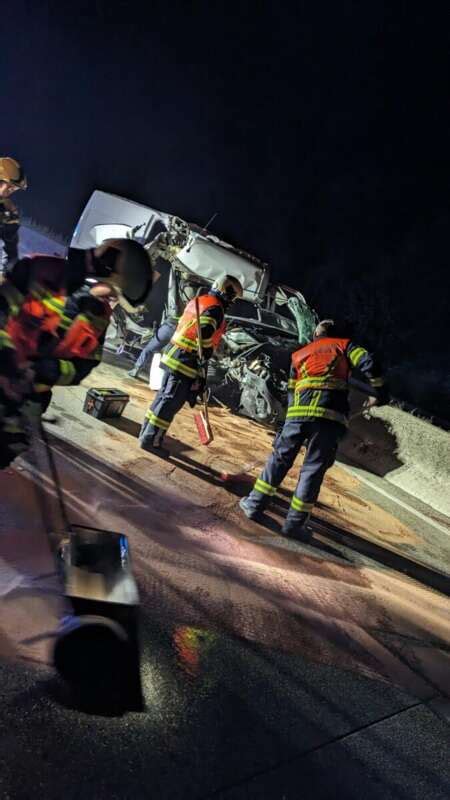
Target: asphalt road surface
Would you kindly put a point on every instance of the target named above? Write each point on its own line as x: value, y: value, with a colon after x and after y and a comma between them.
x: 269, y: 670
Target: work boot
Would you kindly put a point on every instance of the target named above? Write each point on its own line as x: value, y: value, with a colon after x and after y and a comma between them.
x: 144, y: 427
x: 297, y: 530
x: 152, y: 443
x: 252, y: 510
x: 134, y: 373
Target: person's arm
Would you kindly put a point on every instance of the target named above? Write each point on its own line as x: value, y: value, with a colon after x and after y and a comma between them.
x: 369, y: 368
x: 210, y: 321
x: 291, y: 385
x: 63, y: 371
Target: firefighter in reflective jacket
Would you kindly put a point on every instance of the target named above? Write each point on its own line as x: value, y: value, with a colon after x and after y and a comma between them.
x: 317, y: 414
x: 46, y: 340
x: 180, y: 362
x: 75, y: 328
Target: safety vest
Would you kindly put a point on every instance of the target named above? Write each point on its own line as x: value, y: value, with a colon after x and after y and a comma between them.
x: 322, y: 365
x: 186, y: 335
x: 320, y: 382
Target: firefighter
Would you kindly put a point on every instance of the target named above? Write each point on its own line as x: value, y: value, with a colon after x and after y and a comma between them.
x: 317, y: 415
x: 12, y: 178
x: 182, y: 379
x: 44, y: 343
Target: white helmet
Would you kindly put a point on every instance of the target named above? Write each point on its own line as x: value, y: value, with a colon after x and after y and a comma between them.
x: 229, y: 286
x: 324, y: 328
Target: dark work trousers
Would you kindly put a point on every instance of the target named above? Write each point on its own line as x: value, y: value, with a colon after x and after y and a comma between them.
x: 9, y: 234
x: 156, y: 344
x: 174, y: 392
x: 322, y: 437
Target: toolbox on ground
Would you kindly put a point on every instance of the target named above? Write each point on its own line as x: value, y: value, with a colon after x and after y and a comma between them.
x: 102, y: 403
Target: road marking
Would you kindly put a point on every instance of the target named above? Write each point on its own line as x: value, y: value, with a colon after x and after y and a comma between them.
x: 415, y: 512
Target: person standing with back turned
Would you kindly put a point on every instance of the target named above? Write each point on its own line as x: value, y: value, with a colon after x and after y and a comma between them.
x: 317, y: 414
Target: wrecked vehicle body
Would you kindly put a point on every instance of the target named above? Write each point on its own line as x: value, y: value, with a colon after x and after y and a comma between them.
x: 249, y: 371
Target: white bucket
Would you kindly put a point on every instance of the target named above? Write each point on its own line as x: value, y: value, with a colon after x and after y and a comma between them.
x: 156, y: 373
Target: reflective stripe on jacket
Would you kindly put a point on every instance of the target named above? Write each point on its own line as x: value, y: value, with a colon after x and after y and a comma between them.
x: 186, y: 334
x: 181, y: 355
x: 320, y: 373
x: 45, y: 313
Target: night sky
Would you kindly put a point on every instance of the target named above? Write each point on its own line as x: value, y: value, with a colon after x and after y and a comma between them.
x: 319, y: 132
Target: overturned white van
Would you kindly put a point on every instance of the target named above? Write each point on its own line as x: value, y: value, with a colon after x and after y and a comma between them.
x: 249, y: 372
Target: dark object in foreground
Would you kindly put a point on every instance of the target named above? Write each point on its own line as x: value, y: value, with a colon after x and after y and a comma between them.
x: 96, y: 650
x: 102, y: 403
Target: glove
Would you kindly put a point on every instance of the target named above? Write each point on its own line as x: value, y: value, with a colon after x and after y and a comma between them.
x: 371, y: 402
x: 381, y: 398
x: 197, y: 390
x: 192, y: 398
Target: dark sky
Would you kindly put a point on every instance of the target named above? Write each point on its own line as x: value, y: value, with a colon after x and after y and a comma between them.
x: 318, y: 131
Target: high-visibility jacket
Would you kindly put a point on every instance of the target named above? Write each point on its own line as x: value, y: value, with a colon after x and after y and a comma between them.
x: 318, y: 383
x: 186, y: 334
x: 59, y: 345
x: 181, y: 355
x: 37, y: 326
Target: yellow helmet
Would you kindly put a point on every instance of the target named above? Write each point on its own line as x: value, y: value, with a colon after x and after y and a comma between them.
x: 228, y: 286
x: 12, y: 172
